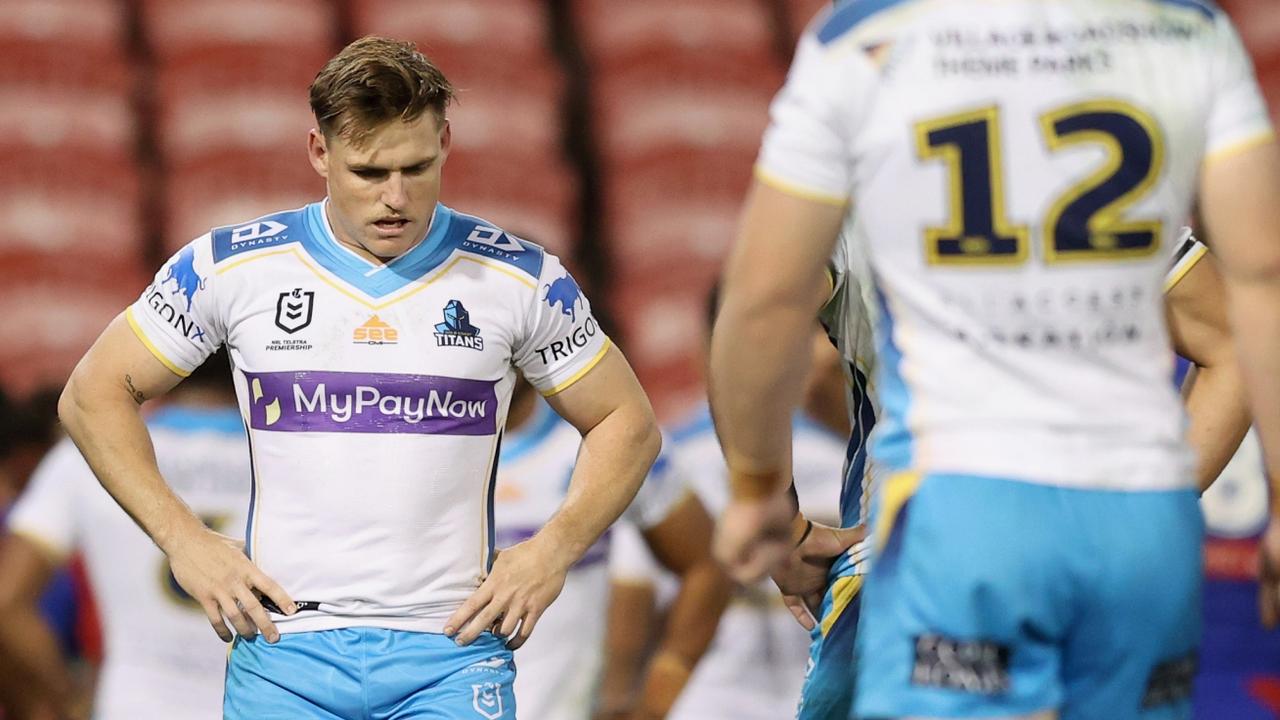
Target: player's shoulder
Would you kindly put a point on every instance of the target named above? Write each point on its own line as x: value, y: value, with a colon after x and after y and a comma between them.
x: 480, y: 237
x: 268, y: 231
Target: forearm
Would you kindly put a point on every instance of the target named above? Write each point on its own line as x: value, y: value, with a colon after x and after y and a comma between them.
x: 628, y: 629
x: 107, y: 427
x: 615, y: 456
x: 691, y: 625
x: 758, y: 354
x: 1255, y: 318
x: 1217, y: 406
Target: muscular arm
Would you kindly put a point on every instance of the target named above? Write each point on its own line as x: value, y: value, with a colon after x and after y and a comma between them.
x: 1239, y: 202
x: 760, y: 350
x: 1215, y: 397
x: 28, y: 648
x: 620, y: 440
x: 100, y: 410
x: 682, y: 544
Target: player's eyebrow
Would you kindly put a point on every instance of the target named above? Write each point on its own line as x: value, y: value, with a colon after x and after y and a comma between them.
x: 359, y: 166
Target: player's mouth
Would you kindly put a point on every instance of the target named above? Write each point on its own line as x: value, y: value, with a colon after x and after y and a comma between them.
x: 390, y: 226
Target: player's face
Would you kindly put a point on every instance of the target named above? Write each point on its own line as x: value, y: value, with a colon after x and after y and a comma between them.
x: 383, y: 190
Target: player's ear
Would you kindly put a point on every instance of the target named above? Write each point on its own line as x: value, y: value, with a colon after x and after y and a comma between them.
x: 318, y: 152
x: 446, y: 138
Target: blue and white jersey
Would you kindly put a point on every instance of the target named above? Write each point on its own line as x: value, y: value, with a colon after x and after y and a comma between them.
x: 375, y: 396
x: 160, y: 659
x: 755, y: 665
x: 560, y: 664
x: 1020, y: 171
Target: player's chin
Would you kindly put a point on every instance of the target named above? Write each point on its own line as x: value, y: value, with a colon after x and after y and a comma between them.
x: 388, y: 246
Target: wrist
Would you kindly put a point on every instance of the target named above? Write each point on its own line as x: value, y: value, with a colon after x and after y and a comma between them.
x: 755, y: 486
x: 668, y: 674
x: 177, y: 532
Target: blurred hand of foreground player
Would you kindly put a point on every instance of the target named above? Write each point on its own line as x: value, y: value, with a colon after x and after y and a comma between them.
x: 214, y: 571
x: 803, y: 575
x: 525, y: 579
x: 754, y: 536
x: 1269, y: 574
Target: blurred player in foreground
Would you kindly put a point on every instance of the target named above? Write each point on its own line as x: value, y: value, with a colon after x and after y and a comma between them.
x: 1023, y: 354
x: 756, y: 664
x: 160, y: 660
x: 560, y: 667
x: 375, y: 338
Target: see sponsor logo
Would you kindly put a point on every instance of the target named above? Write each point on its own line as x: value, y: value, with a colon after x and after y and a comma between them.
x: 375, y: 332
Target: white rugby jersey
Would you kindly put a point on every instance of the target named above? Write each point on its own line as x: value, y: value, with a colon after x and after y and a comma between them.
x: 375, y: 397
x: 160, y: 658
x: 560, y: 664
x: 1020, y: 170
x: 755, y: 665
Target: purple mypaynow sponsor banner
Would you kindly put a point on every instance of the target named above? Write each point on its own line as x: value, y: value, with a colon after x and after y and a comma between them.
x: 314, y: 401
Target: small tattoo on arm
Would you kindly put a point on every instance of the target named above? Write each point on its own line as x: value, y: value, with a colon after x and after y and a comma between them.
x: 137, y: 394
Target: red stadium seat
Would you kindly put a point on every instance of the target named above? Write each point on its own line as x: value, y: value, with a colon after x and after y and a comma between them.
x: 228, y: 99
x: 233, y: 188
x: 665, y: 334
x: 47, y: 118
x: 614, y: 32
x: 175, y: 28
x: 81, y: 207
x: 683, y: 102
x: 51, y: 66
x: 478, y: 43
x: 533, y: 194
x: 96, y: 24
x: 487, y: 120
x: 54, y: 309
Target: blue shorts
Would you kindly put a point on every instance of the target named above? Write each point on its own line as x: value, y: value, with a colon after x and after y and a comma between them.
x: 369, y: 674
x: 830, y: 677
x: 993, y: 598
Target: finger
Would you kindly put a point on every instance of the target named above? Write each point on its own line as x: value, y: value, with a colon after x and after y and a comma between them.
x: 232, y: 612
x: 257, y: 614
x: 526, y: 629
x: 469, y: 608
x: 483, y: 620
x: 827, y: 542
x: 215, y: 619
x: 509, y: 622
x: 272, y: 589
x: 799, y: 611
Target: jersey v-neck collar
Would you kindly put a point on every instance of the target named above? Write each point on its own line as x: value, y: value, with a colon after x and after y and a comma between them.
x: 375, y: 280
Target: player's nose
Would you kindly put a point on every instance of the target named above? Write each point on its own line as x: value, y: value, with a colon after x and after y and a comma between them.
x: 393, y: 192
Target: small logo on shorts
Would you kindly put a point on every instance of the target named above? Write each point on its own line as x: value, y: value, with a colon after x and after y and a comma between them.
x: 972, y: 666
x: 1170, y: 681
x: 486, y: 699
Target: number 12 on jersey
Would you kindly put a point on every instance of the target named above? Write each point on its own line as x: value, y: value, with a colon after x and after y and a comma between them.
x: 1085, y: 223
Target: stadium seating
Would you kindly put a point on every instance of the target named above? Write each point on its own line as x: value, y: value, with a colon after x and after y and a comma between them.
x: 180, y: 28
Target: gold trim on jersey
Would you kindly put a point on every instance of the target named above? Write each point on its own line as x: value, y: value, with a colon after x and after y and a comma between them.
x: 578, y: 375
x: 421, y: 285
x: 975, y: 249
x: 1108, y: 220
x: 796, y: 190
x: 137, y: 330
x: 1191, y: 260
x: 1235, y: 148
x: 898, y: 489
x: 843, y: 591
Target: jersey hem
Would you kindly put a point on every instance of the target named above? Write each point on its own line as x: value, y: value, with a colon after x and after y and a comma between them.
x: 137, y: 330
x: 797, y: 190
x: 337, y: 622
x: 1235, y: 148
x: 579, y: 375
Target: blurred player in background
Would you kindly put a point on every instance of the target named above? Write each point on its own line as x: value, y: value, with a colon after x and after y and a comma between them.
x: 560, y: 667
x: 756, y: 665
x: 375, y: 338
x: 160, y: 660
x: 1026, y: 398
